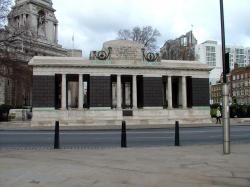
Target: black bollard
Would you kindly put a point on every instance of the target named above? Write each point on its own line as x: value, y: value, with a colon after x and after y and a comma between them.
x: 123, y: 135
x: 56, y: 140
x: 177, y: 137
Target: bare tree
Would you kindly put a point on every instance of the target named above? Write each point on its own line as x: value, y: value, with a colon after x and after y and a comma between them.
x: 145, y: 35
x: 4, y: 10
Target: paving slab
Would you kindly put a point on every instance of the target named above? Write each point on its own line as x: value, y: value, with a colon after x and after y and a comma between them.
x: 132, y: 167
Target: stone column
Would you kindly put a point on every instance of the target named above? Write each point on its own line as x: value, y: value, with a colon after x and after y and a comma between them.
x: 56, y: 33
x: 170, y: 102
x: 184, y: 92
x: 119, y: 92
x: 80, y: 95
x: 134, y: 92
x: 63, y: 99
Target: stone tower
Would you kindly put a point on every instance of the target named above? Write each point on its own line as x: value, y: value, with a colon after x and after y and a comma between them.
x: 32, y: 29
x: 37, y: 18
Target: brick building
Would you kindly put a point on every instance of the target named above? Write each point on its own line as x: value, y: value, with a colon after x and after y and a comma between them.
x: 216, y: 93
x: 239, y: 86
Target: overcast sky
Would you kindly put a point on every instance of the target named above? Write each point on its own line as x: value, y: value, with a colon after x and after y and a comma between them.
x: 96, y: 21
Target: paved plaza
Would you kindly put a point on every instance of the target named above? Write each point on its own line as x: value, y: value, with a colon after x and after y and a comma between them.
x: 148, y: 167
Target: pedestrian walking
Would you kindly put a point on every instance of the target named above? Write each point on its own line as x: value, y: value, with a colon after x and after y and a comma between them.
x: 218, y: 116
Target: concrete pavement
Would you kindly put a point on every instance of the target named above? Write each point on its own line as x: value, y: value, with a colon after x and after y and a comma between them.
x: 145, y: 167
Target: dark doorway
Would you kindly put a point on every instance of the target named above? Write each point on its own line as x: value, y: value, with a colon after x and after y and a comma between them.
x: 113, y: 92
x: 72, y: 82
x: 164, y: 82
x: 58, y: 91
x: 175, y: 91
x: 126, y: 82
x: 189, y: 92
x: 86, y: 92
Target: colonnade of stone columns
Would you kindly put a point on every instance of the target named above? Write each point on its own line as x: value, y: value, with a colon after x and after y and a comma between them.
x: 119, y: 92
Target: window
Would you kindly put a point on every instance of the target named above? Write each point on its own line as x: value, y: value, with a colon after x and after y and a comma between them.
x: 184, y: 41
x: 211, y: 55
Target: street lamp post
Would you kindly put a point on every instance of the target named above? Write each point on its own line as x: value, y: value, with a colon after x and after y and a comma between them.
x: 225, y: 91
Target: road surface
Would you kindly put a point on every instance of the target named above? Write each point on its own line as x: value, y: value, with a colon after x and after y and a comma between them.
x: 94, y: 139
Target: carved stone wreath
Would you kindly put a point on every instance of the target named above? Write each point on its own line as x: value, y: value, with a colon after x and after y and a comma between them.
x: 102, y: 55
x: 151, y: 57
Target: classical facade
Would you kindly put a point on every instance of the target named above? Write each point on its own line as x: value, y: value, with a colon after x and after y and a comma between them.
x: 32, y: 30
x: 122, y: 81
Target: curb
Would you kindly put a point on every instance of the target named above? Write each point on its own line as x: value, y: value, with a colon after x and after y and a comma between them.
x: 114, y: 128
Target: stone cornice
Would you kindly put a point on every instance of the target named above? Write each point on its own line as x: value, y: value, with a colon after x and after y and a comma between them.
x: 36, y: 3
x: 73, y: 62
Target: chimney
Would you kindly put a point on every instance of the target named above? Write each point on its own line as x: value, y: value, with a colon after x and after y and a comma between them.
x: 236, y: 66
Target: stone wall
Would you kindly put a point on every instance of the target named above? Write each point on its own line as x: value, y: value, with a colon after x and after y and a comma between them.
x: 124, y: 50
x: 2, y: 90
x: 104, y: 117
x: 6, y: 91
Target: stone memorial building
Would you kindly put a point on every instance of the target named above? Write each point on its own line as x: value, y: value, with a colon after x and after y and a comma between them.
x: 122, y: 81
